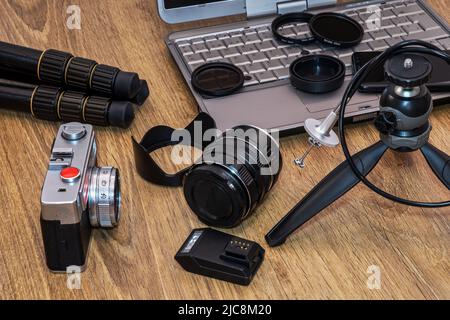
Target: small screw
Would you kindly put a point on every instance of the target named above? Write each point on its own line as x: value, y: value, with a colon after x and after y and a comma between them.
x: 408, y: 64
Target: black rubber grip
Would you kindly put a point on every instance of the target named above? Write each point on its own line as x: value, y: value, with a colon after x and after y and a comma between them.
x: 44, y: 103
x: 78, y: 74
x: 103, y: 78
x: 71, y: 106
x: 96, y: 111
x: 53, y: 66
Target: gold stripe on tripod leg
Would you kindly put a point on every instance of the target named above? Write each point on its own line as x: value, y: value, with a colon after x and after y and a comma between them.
x: 58, y: 106
x: 84, y: 107
x: 67, y: 70
x: 92, y: 76
x: 39, y: 65
x: 31, y: 100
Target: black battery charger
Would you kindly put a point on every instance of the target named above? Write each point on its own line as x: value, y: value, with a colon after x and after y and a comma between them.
x: 219, y: 255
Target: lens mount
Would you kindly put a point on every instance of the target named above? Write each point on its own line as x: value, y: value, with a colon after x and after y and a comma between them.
x: 104, y: 197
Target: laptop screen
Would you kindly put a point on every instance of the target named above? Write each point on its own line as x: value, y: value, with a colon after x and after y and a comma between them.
x: 171, y: 4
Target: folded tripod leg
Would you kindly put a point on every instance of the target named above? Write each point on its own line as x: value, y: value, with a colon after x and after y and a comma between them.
x: 331, y: 188
x: 439, y: 162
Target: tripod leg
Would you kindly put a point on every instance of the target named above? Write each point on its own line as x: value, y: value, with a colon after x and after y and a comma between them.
x: 439, y: 162
x: 331, y: 188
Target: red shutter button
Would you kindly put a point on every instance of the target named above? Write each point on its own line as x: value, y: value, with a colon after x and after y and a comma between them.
x: 69, y: 174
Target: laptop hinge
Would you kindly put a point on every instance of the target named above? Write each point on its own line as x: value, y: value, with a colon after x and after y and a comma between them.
x: 256, y: 8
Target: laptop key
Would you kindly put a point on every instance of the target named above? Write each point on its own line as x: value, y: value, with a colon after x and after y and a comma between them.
x: 255, y: 68
x: 265, y: 46
x: 287, y: 61
x: 344, y: 52
x: 437, y: 44
x: 425, y: 21
x: 210, y: 38
x: 412, y: 28
x: 387, y: 14
x: 197, y: 40
x: 312, y: 47
x: 235, y: 34
x: 215, y: 45
x: 233, y: 42
x: 378, y: 45
x: 194, y: 66
x: 252, y: 38
x: 276, y: 54
x: 393, y: 41
x: 281, y: 73
x: 366, y: 38
x: 427, y: 35
x: 212, y: 56
x: 274, y: 64
x: 362, y: 47
x: 262, y: 29
x: 266, y: 77
x: 230, y: 52
x: 194, y: 58
x: 182, y: 43
x: 401, y: 21
x: 250, y: 82
x: 258, y: 57
x: 408, y: 10
x: 199, y: 47
x: 223, y: 36
x: 379, y: 34
x: 186, y: 50
x: 239, y: 60
x: 396, y: 32
x: 292, y: 51
x: 248, y: 49
x: 445, y: 43
x: 266, y: 36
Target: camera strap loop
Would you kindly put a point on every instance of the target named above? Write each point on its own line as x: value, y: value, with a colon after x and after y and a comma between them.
x: 162, y: 136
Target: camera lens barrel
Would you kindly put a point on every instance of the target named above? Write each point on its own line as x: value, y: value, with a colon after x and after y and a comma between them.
x: 104, y: 197
x: 237, y: 171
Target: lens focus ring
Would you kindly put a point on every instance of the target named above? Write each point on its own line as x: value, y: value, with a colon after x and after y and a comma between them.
x: 104, y: 197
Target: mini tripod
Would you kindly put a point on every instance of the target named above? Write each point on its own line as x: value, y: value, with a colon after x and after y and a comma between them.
x: 403, y: 123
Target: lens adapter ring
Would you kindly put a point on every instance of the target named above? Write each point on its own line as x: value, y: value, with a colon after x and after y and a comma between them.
x: 288, y: 18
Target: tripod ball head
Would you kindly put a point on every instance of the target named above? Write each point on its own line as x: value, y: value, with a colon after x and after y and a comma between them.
x: 406, y: 104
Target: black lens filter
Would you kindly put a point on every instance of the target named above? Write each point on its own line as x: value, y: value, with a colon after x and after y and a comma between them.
x: 217, y: 79
x: 330, y: 28
x: 336, y: 29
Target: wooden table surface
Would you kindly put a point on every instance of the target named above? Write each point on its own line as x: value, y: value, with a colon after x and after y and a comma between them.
x: 328, y: 258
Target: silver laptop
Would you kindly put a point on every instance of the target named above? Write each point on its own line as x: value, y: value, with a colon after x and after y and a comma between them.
x: 267, y: 99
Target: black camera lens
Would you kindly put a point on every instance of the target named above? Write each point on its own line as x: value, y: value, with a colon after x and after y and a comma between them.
x: 232, y: 178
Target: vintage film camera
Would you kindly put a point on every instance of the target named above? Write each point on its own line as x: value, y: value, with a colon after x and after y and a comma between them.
x: 76, y: 196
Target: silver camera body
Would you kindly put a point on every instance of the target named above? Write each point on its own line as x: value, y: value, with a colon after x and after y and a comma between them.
x: 76, y: 196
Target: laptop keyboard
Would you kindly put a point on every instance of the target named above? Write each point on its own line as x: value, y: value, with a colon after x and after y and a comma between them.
x: 263, y: 59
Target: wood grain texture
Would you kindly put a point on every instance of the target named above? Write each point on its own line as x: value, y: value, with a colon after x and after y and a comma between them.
x: 327, y: 258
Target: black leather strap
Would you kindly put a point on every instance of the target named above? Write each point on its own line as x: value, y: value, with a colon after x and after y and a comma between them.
x: 161, y: 136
